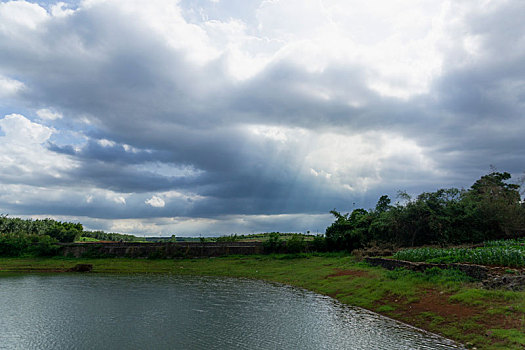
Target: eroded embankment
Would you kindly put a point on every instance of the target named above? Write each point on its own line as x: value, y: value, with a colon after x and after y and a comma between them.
x: 490, y: 277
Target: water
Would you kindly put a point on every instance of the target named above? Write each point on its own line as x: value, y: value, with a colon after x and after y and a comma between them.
x: 70, y: 311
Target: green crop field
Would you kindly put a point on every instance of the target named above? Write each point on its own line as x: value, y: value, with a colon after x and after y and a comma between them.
x: 508, y: 253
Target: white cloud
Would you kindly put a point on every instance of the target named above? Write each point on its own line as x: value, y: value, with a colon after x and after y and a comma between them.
x: 9, y: 87
x: 61, y: 9
x: 23, y: 153
x: 165, y: 20
x: 38, y: 195
x: 400, y: 52
x: 188, y: 197
x: 48, y: 114
x: 156, y: 202
x: 15, y: 15
x: 269, y: 132
x: 360, y: 161
x: 106, y: 143
x: 119, y: 200
x: 20, y: 130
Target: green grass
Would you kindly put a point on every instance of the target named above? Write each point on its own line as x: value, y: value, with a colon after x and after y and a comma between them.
x: 386, y: 308
x: 514, y: 335
x: 434, y: 319
x: 480, y: 297
x: 434, y: 275
x: 87, y: 239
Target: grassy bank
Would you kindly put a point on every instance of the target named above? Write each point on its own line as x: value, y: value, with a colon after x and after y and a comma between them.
x: 444, y: 302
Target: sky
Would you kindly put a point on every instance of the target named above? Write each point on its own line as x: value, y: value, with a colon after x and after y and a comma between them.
x: 211, y: 117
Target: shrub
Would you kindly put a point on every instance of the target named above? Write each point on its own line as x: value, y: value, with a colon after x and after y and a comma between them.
x: 273, y: 244
x: 230, y: 238
x: 319, y: 243
x: 295, y: 244
x: 43, y: 246
x: 12, y: 244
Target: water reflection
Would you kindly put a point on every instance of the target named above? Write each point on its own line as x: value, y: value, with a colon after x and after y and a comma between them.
x: 179, y: 312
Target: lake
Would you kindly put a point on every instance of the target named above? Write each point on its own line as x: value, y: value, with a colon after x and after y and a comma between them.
x: 84, y: 311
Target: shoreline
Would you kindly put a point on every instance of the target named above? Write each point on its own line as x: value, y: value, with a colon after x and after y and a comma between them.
x: 439, y: 302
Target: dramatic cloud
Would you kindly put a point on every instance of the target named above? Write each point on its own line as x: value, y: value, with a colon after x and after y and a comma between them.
x: 206, y: 117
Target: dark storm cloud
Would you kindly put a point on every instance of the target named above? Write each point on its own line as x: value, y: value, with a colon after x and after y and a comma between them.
x: 137, y: 90
x: 115, y: 178
x: 284, y: 95
x: 115, y: 153
x: 482, y: 103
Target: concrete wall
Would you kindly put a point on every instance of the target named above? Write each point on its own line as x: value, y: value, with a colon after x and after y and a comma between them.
x: 160, y: 250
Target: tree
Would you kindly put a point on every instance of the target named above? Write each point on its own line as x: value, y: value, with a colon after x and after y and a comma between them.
x: 349, y: 231
x: 494, y: 206
x: 383, y: 204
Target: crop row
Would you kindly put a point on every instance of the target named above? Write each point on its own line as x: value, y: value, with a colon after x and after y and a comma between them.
x: 499, y: 256
x: 520, y: 242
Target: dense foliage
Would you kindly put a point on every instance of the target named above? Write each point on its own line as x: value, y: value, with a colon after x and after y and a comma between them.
x: 35, y: 237
x: 61, y: 231
x: 40, y: 237
x: 16, y: 244
x: 490, y: 209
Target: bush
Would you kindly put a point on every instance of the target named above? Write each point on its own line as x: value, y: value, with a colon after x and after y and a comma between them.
x: 44, y: 246
x: 319, y: 244
x: 273, y: 244
x: 13, y: 244
x: 19, y: 244
x: 226, y: 239
x: 65, y: 232
x: 434, y: 274
x: 295, y: 244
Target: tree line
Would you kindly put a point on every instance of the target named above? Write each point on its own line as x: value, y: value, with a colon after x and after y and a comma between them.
x: 490, y: 209
x: 40, y: 237
x: 35, y: 237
